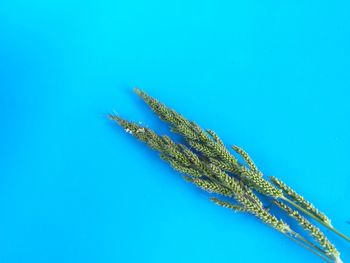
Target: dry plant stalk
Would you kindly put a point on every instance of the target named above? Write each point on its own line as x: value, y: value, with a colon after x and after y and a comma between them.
x: 205, y: 161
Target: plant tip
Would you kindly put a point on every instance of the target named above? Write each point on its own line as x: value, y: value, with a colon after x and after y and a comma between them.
x: 114, y: 117
x: 137, y: 91
x: 187, y: 178
x: 111, y: 116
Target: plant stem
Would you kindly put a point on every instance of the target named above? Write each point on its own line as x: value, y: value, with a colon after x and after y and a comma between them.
x: 310, y: 243
x: 338, y: 233
x: 309, y: 246
x: 317, y: 219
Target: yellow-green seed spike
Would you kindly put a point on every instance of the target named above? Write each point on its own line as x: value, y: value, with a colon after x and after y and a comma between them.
x: 236, y: 208
x: 184, y: 169
x: 313, y: 230
x: 165, y: 113
x: 189, y: 129
x: 192, y: 133
x: 209, y: 186
x: 300, y: 200
x: 259, y: 183
x: 240, y: 194
x: 215, y: 137
x: 247, y: 159
x: 142, y: 133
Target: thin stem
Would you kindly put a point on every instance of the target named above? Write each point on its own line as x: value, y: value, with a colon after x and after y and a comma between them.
x: 310, y: 243
x: 309, y: 247
x: 339, y: 233
x: 317, y: 219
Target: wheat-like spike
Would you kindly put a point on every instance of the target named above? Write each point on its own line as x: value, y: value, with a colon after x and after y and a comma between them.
x: 185, y: 128
x: 142, y: 133
x: 300, y: 200
x: 180, y: 167
x: 194, y: 159
x: 173, y: 156
x: 200, y: 132
x: 247, y: 159
x: 226, y: 180
x: 209, y: 186
x: 222, y: 165
x: 230, y: 182
x: 174, y: 150
x: 183, y: 169
x: 262, y: 214
x: 259, y: 184
x: 169, y: 150
x: 251, y: 195
x: 179, y: 124
x: 240, y: 194
x: 185, y: 131
x: 222, y: 152
x: 236, y: 208
x: 218, y: 175
x: 205, y: 150
x: 236, y: 186
x: 271, y: 220
x: 215, y: 137
x: 162, y: 111
x: 168, y: 141
x: 315, y: 232
x: 194, y: 135
x: 243, y: 197
x: 190, y: 130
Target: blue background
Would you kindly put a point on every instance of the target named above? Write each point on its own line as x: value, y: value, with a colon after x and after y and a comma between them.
x: 269, y: 76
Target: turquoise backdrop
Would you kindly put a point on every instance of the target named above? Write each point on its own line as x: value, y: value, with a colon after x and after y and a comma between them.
x: 269, y: 76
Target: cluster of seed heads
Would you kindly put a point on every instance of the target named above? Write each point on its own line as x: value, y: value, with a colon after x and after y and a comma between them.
x: 207, y: 163
x: 300, y: 200
x: 212, y: 146
x: 204, y: 174
x: 236, y: 208
x: 313, y: 230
